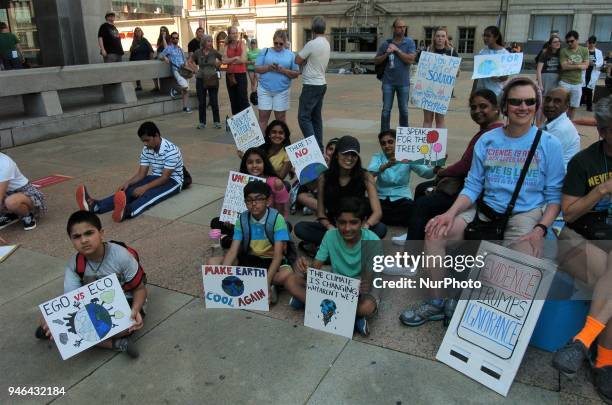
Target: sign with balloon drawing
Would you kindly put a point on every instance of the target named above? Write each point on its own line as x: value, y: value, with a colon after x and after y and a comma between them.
x: 421, y: 145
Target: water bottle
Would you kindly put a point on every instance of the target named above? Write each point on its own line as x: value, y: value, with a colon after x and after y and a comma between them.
x: 391, y: 61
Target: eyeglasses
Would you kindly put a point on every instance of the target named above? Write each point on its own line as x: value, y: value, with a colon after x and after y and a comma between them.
x: 518, y: 101
x: 279, y: 44
x: 250, y: 201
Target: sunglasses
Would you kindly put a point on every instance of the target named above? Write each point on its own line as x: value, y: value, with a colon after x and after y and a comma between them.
x: 279, y: 44
x: 518, y: 101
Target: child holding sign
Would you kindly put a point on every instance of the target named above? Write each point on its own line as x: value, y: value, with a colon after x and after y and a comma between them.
x: 102, y: 259
x: 277, y: 138
x: 263, y: 244
x: 343, y: 248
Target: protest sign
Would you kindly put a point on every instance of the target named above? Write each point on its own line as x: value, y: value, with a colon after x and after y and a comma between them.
x: 235, y: 287
x: 87, y: 316
x: 434, y: 81
x: 233, y: 203
x: 307, y: 159
x: 499, y: 64
x: 331, y: 302
x: 492, y: 325
x: 6, y: 251
x: 421, y: 145
x: 245, y: 130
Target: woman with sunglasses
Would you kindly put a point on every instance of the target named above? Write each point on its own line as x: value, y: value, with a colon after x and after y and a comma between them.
x: 162, y: 43
x: 494, y: 44
x: 276, y: 67
x: 499, y: 156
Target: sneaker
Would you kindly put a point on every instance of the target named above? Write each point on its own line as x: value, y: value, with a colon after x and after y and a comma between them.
x: 602, y: 380
x: 400, y: 240
x: 449, y: 310
x: 426, y: 311
x: 296, y: 304
x: 40, y: 334
x: 155, y: 90
x: 7, y: 219
x: 218, y: 125
x: 201, y: 126
x: 273, y: 295
x: 127, y: 346
x: 570, y: 357
x: 307, y: 211
x: 120, y: 202
x: 361, y: 326
x: 28, y: 222
x: 226, y: 241
x: 187, y: 110
x: 174, y: 92
x: 84, y: 201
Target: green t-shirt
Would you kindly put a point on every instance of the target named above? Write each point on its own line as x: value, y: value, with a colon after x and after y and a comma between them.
x: 581, y: 54
x: 344, y: 260
x: 8, y: 40
x: 251, y: 56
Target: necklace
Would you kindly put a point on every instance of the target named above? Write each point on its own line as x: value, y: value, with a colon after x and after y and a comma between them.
x: 101, y: 261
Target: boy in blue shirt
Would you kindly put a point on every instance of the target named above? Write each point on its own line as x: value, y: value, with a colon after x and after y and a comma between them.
x: 343, y: 248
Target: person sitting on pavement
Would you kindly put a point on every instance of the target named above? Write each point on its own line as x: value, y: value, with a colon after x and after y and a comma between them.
x: 101, y: 260
x: 307, y: 193
x: 585, y: 245
x: 555, y: 107
x: 19, y: 199
x: 173, y: 54
x: 342, y: 247
x: 259, y: 249
x: 162, y: 159
x: 277, y: 136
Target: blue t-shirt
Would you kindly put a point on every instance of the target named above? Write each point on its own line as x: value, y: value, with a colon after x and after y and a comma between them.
x: 273, y: 81
x: 398, y: 72
x: 175, y: 54
x: 496, y: 167
x: 394, y: 183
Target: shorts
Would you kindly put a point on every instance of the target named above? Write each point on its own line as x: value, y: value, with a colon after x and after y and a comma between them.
x: 248, y: 260
x: 271, y: 101
x: 37, y: 197
x: 180, y: 80
x: 575, y: 91
x: 518, y: 224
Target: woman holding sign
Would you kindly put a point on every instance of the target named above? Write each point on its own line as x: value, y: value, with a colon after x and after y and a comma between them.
x: 494, y: 44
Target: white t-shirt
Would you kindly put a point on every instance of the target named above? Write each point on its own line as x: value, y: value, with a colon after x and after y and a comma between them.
x: 10, y: 172
x: 316, y: 53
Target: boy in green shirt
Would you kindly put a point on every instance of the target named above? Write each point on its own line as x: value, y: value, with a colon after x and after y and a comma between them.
x: 343, y: 248
x: 574, y: 60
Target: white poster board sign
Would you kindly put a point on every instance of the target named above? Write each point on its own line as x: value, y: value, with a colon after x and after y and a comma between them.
x: 245, y: 130
x: 421, y: 145
x: 500, y: 64
x: 434, y: 81
x: 87, y: 316
x: 233, y: 203
x: 331, y: 302
x: 235, y: 287
x: 492, y: 326
x: 307, y: 159
x: 6, y: 251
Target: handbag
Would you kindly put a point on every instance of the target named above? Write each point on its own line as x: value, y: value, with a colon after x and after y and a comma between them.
x: 449, y: 185
x: 593, y: 226
x: 495, y: 228
x: 187, y: 180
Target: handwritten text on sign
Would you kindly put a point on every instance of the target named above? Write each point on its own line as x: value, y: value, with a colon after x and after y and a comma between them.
x: 307, y: 159
x: 233, y: 203
x: 501, y: 64
x: 421, y: 145
x: 88, y: 315
x: 435, y: 79
x: 235, y: 287
x: 331, y: 302
x: 245, y: 130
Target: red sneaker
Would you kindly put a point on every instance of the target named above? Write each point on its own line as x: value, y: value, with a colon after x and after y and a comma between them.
x: 120, y: 201
x: 83, y: 199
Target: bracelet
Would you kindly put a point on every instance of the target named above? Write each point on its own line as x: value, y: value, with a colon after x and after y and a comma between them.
x: 542, y: 227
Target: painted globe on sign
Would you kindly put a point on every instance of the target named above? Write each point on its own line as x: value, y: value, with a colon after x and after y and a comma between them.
x: 311, y: 172
x: 487, y: 67
x: 93, y: 322
x: 233, y: 286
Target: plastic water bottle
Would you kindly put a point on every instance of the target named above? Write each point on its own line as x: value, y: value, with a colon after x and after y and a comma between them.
x: 391, y: 61
x: 215, y: 236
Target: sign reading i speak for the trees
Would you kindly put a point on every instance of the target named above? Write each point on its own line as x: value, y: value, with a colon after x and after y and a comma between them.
x: 421, y: 145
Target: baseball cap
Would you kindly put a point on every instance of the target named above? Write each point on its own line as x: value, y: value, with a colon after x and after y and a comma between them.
x: 348, y: 144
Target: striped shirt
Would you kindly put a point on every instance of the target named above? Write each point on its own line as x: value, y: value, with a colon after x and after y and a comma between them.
x: 168, y: 157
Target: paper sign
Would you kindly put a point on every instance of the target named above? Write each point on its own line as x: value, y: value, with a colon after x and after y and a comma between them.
x: 331, y: 302
x: 233, y: 203
x: 6, y: 251
x: 235, y: 287
x: 87, y: 316
x: 50, y: 180
x: 434, y: 81
x: 492, y: 326
x: 500, y: 64
x: 307, y: 159
x: 245, y: 130
x: 421, y: 145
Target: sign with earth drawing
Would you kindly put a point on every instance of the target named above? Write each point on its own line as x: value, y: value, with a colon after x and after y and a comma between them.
x: 495, y: 65
x: 235, y: 287
x: 307, y: 159
x: 87, y: 316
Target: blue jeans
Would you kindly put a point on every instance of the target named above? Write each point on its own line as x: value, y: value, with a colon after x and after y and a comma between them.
x: 388, y: 91
x: 136, y: 206
x: 309, y: 111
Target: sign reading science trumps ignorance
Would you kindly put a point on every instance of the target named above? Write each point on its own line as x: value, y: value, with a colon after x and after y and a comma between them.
x: 435, y: 79
x: 233, y: 203
x: 235, y: 287
x: 492, y: 326
x: 307, y: 159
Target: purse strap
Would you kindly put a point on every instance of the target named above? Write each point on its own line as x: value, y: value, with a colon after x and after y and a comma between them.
x: 519, y: 184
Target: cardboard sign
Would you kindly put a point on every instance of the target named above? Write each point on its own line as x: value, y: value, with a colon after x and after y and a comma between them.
x: 233, y: 203
x: 331, y: 302
x: 87, y: 316
x: 421, y: 145
x: 6, y: 251
x: 50, y: 180
x: 307, y: 159
x: 235, y: 287
x: 492, y: 326
x: 434, y: 81
x: 245, y: 130
x: 501, y: 64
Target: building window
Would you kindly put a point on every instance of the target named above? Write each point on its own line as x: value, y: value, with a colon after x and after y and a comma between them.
x: 600, y: 27
x: 466, y: 40
x: 429, y: 31
x: 338, y: 39
x: 281, y: 1
x: 307, y: 35
x: 543, y: 25
x: 219, y: 4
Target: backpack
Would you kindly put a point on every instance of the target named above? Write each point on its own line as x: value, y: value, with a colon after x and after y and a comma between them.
x: 81, y: 265
x: 290, y: 250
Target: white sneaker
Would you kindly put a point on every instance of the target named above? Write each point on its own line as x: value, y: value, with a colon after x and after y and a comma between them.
x: 400, y: 240
x: 408, y: 271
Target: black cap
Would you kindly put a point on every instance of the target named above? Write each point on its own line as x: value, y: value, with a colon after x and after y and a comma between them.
x: 348, y: 144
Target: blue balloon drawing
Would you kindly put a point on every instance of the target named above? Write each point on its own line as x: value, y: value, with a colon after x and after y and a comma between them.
x: 487, y: 67
x: 233, y: 286
x: 328, y: 309
x: 311, y: 172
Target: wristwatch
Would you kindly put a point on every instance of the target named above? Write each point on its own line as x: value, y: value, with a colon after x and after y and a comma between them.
x: 543, y: 227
